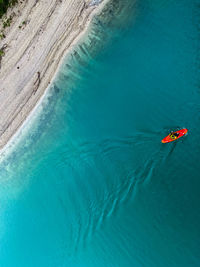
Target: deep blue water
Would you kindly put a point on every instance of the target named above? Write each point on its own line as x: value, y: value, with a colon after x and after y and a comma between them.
x: 90, y: 183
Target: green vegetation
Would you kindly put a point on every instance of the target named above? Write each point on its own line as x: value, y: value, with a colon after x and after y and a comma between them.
x: 1, y: 53
x: 6, y: 22
x: 23, y: 24
x: 4, y: 4
x: 2, y: 35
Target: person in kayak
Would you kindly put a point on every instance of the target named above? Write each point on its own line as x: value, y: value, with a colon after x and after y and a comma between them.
x: 174, y: 135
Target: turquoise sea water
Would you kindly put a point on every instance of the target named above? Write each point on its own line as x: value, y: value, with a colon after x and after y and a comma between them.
x: 89, y: 183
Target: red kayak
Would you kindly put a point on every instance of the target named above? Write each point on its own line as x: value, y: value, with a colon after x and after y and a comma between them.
x: 174, y: 136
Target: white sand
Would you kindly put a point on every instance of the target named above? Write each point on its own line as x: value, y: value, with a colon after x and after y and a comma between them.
x: 34, y: 53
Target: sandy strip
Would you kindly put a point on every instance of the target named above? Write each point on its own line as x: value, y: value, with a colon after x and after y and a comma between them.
x: 34, y: 52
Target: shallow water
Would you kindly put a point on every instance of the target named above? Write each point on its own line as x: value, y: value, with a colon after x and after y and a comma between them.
x: 90, y: 183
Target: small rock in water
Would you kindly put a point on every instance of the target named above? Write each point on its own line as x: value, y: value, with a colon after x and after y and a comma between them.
x: 56, y: 89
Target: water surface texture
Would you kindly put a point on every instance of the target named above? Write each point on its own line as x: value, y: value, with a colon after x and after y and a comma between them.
x: 90, y: 183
